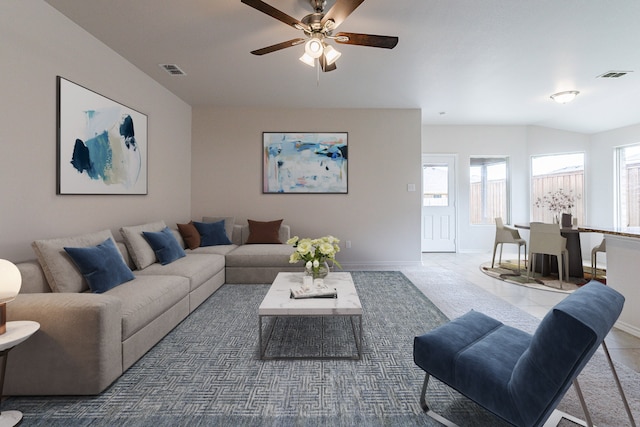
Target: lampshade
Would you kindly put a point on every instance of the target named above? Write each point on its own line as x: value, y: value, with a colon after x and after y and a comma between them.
x: 308, y: 60
x: 10, y: 281
x: 313, y: 48
x: 564, y: 97
x: 330, y: 54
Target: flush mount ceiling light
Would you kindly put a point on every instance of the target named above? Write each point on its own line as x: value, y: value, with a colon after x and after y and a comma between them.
x: 318, y: 28
x: 565, y: 97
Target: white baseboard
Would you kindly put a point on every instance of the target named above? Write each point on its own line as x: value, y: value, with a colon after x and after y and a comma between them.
x: 630, y: 329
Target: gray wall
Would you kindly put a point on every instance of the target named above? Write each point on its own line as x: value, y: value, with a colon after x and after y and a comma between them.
x: 378, y: 215
x: 37, y: 44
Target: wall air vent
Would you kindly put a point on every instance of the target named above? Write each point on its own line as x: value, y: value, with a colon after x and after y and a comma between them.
x: 613, y: 74
x: 173, y: 69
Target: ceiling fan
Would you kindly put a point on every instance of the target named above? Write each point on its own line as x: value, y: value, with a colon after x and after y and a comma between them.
x: 318, y: 28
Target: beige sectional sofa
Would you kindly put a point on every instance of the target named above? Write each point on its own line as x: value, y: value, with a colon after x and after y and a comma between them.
x: 87, y: 340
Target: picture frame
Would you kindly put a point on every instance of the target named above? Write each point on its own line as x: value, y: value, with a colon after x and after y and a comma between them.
x: 101, y: 144
x: 305, y: 162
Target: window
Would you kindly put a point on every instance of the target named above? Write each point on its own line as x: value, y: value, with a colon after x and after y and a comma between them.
x: 488, y: 189
x: 628, y: 188
x: 435, y: 182
x: 557, y: 187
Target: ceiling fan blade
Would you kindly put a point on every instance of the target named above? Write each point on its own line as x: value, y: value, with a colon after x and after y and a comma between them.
x: 279, y: 46
x: 275, y: 13
x: 386, y: 42
x: 340, y: 11
x: 323, y: 64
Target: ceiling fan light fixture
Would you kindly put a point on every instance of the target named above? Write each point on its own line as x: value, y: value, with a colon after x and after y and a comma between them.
x: 314, y: 47
x: 565, y: 97
x: 331, y: 55
x: 310, y: 61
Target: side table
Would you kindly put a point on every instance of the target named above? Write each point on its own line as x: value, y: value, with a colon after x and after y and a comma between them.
x: 17, y: 332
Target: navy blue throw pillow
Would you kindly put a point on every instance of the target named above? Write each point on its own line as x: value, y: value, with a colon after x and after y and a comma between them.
x: 212, y: 233
x: 165, y: 245
x: 102, y: 266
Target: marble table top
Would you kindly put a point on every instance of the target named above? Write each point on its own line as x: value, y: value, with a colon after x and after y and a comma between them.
x: 614, y: 231
x: 277, y: 302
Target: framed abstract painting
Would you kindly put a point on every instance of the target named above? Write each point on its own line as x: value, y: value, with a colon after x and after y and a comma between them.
x: 102, y: 144
x: 298, y: 162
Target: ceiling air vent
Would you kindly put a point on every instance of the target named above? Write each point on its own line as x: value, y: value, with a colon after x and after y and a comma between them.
x: 173, y: 69
x: 613, y: 74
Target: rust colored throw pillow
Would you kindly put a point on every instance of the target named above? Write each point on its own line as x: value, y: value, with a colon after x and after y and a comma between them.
x: 190, y: 234
x: 264, y: 232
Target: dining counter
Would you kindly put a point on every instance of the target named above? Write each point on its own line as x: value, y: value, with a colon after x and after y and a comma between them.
x: 633, y: 232
x: 623, y: 270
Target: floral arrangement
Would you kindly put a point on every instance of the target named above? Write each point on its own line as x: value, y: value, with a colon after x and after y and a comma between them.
x: 557, y: 201
x: 314, y: 252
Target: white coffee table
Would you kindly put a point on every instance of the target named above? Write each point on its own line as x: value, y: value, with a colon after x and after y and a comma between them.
x: 278, y: 303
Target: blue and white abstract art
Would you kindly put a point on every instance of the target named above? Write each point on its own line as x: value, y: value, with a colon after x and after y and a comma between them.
x: 305, y: 162
x: 102, y: 144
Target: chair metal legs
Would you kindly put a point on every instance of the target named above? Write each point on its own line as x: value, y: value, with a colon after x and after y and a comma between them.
x: 493, y: 258
x: 620, y: 390
x: 425, y: 406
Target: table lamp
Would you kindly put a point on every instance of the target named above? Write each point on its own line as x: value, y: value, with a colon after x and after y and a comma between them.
x: 10, y: 281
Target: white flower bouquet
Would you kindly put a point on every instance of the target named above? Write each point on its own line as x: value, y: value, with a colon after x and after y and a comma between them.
x: 314, y: 252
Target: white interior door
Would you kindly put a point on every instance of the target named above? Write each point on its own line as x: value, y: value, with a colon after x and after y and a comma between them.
x: 438, y: 203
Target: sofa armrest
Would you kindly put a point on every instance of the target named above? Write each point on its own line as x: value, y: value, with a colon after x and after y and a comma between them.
x: 77, y: 350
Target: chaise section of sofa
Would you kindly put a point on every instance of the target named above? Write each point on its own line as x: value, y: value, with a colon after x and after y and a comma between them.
x: 261, y: 262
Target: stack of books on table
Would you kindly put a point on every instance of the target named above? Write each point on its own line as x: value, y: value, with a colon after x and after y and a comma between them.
x: 314, y: 292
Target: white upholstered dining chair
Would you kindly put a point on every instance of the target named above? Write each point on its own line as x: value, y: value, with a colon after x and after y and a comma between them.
x: 506, y: 234
x: 545, y: 239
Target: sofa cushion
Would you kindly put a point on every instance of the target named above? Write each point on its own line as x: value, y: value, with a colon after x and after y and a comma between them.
x: 212, y: 233
x: 198, y: 268
x: 60, y: 271
x: 259, y: 255
x: 229, y: 222
x: 102, y: 265
x: 139, y: 249
x: 190, y: 234
x: 165, y: 246
x: 261, y: 232
x: 146, y: 298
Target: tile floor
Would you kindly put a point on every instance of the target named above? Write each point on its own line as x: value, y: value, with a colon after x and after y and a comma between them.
x: 623, y: 347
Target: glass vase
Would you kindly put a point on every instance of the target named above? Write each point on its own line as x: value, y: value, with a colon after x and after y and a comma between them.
x: 320, y: 272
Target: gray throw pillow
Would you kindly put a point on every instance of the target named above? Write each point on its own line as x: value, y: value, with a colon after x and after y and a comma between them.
x: 141, y: 252
x: 60, y: 271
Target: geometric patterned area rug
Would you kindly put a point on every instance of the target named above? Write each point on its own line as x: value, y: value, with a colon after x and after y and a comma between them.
x: 207, y: 371
x: 508, y: 271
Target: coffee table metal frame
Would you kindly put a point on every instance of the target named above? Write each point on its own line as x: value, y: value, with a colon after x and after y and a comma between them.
x: 277, y: 303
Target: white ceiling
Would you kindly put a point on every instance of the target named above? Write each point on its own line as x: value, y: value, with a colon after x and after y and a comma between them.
x: 489, y: 62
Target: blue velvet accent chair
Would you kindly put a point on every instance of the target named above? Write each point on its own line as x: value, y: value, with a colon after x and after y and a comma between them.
x: 519, y: 377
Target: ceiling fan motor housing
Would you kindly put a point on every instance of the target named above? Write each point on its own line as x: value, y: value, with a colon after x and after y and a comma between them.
x: 314, y: 21
x: 318, y: 5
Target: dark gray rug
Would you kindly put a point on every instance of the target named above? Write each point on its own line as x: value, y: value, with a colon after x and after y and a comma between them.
x: 206, y: 372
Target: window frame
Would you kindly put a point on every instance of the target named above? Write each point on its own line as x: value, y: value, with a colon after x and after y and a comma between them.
x: 496, y: 159
x: 580, y: 198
